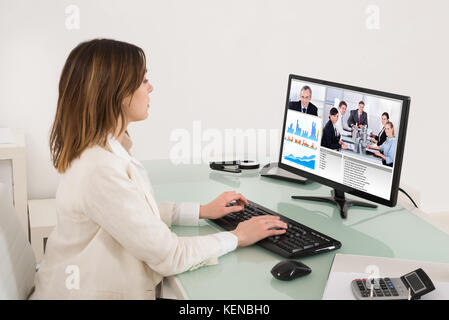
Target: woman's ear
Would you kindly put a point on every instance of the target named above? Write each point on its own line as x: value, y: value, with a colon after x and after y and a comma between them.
x: 126, y: 102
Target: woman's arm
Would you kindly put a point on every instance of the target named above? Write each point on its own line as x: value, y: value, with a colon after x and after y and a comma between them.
x: 389, y: 158
x: 380, y: 155
x: 117, y: 205
x: 389, y: 152
x: 328, y: 141
x: 189, y: 213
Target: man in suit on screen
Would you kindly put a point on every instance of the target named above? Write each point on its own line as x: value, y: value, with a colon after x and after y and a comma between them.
x: 358, y: 117
x: 304, y: 105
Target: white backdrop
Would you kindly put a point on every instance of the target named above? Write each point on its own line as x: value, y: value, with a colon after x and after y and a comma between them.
x: 226, y: 63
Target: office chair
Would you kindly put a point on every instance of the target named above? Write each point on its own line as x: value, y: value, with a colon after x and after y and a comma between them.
x: 17, y: 262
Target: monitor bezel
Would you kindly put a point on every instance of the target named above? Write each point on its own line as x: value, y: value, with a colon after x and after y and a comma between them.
x: 397, y: 168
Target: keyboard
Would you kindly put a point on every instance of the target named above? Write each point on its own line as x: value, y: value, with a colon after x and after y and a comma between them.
x: 298, y: 241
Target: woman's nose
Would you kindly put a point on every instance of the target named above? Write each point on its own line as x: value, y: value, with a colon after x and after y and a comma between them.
x: 150, y: 88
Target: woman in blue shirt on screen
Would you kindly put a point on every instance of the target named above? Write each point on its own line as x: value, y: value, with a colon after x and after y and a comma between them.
x: 388, y: 148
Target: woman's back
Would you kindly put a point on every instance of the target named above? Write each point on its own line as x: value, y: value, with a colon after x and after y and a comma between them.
x: 68, y: 271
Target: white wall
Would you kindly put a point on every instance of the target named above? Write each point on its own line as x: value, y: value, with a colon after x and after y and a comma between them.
x: 223, y: 62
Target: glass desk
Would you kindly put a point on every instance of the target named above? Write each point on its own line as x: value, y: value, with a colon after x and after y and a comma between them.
x: 245, y: 273
x: 366, y: 155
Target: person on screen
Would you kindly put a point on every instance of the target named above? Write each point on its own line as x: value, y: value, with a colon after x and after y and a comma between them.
x: 331, y: 137
x: 358, y: 117
x: 110, y: 227
x: 304, y: 105
x: 381, y: 136
x: 341, y: 126
x: 388, y: 148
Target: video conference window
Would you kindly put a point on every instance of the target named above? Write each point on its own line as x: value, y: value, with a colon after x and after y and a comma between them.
x: 310, y: 97
x: 346, y: 136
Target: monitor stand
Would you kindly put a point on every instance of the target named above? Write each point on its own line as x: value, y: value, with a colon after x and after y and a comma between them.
x: 271, y: 170
x: 338, y: 198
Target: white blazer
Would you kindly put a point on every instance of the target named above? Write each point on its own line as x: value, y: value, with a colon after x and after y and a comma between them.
x: 112, y: 240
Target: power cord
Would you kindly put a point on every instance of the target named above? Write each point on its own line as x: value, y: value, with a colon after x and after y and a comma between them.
x: 402, y: 190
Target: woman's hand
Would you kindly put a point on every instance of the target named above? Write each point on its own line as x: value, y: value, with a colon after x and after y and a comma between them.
x: 258, y: 228
x: 217, y: 207
x: 343, y: 145
x: 380, y: 155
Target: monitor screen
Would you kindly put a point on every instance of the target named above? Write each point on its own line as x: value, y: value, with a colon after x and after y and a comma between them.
x: 345, y: 137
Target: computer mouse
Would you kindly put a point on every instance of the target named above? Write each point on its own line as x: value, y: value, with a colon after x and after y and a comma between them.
x: 289, y: 269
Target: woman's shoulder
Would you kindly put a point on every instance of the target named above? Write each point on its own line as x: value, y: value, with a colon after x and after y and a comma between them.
x: 97, y: 158
x: 392, y: 139
x: 95, y: 163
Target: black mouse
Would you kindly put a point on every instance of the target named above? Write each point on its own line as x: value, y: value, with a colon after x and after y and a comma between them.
x: 289, y: 269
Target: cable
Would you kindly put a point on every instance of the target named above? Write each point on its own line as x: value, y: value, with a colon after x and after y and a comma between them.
x: 402, y: 190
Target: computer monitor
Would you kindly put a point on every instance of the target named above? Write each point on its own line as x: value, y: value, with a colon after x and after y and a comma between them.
x: 345, y: 137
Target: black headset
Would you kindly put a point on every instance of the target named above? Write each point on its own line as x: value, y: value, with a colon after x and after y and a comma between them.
x: 234, y: 166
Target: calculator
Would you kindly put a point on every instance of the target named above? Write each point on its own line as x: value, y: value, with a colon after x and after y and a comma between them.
x: 413, y: 285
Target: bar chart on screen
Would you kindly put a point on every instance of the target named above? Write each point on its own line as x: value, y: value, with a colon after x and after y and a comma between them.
x: 302, y: 132
x: 301, y: 140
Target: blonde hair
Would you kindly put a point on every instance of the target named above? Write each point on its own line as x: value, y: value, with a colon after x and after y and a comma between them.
x: 96, y: 77
x: 391, y: 126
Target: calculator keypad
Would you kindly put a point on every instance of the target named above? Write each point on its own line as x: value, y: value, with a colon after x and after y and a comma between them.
x: 383, y: 287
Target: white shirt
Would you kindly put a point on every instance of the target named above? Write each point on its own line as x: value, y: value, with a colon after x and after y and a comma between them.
x: 380, y: 133
x: 340, y: 126
x: 303, y: 109
x: 186, y: 213
x: 112, y: 236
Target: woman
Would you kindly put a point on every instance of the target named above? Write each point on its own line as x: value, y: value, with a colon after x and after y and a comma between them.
x: 331, y: 136
x: 112, y: 240
x: 388, y: 148
x: 381, y: 136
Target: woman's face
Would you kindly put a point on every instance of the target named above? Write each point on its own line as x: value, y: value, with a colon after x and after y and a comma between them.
x: 384, y: 120
x: 140, y: 102
x: 389, y: 131
x: 333, y: 118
